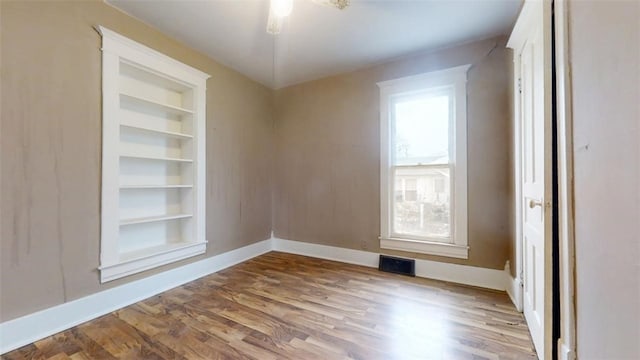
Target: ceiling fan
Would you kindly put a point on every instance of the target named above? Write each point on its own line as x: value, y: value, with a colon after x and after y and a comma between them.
x: 280, y: 9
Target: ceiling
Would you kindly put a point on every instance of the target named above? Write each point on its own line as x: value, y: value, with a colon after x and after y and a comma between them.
x: 318, y: 41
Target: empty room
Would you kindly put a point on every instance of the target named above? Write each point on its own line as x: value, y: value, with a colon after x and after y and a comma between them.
x: 320, y: 179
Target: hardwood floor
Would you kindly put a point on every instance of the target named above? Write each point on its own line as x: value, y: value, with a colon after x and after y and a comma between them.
x: 283, y: 306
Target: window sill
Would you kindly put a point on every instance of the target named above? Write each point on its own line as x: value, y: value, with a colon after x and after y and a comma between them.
x: 425, y: 247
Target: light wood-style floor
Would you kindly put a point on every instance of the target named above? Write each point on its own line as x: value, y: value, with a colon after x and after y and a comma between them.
x: 282, y: 306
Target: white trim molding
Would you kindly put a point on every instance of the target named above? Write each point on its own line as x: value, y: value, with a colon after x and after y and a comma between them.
x: 432, y: 248
x: 349, y: 256
x: 451, y: 82
x: 565, y: 352
x: 461, y: 274
x: 27, y: 329
x: 567, y: 341
x: 167, y: 65
x: 126, y: 268
x: 513, y: 287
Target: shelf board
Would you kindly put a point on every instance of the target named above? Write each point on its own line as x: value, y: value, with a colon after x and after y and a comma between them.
x: 155, y: 186
x: 149, y: 219
x: 156, y: 250
x: 154, y: 104
x: 133, y: 71
x: 154, y: 158
x: 172, y: 134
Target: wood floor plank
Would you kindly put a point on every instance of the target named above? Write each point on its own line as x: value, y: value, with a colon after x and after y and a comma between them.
x: 283, y: 306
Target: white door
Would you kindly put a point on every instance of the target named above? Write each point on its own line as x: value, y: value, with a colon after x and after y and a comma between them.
x: 533, y: 219
x: 535, y: 160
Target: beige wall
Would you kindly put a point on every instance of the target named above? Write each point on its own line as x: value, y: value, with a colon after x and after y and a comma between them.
x: 327, y: 154
x: 605, y: 55
x: 51, y: 146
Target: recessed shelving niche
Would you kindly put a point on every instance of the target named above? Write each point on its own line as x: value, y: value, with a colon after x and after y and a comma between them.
x: 153, y: 158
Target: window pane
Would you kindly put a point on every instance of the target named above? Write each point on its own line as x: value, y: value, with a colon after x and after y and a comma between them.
x: 422, y: 130
x: 422, y: 202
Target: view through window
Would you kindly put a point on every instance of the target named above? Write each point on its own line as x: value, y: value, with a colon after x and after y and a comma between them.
x: 421, y: 128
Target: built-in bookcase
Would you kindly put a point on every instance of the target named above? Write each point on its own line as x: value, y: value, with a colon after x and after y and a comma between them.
x: 153, y: 158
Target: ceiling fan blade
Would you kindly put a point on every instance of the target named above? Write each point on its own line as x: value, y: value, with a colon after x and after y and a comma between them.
x: 340, y: 4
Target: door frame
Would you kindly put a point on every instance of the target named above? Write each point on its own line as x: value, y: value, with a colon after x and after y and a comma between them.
x: 567, y: 340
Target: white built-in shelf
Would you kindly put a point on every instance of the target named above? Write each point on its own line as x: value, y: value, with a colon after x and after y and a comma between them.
x: 143, y: 102
x: 134, y: 187
x: 153, y: 158
x: 149, y: 219
x: 159, y: 158
x: 143, y: 129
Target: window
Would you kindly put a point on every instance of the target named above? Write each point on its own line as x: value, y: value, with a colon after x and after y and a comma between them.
x: 423, y: 163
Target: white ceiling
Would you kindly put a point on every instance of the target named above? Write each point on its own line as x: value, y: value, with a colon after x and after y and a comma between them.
x: 318, y: 41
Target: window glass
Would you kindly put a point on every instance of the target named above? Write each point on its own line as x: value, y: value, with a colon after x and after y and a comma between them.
x: 421, y: 127
x: 422, y: 205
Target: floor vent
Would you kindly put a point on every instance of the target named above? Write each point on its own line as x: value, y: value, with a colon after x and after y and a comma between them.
x: 397, y: 265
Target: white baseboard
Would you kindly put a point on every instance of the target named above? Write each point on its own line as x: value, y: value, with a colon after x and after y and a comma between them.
x: 461, y: 274
x: 514, y: 287
x: 349, y: 256
x: 27, y: 329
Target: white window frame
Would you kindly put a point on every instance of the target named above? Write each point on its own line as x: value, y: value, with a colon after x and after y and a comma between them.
x: 455, y: 79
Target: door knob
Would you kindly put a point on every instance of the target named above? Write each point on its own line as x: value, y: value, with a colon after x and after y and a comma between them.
x: 533, y: 203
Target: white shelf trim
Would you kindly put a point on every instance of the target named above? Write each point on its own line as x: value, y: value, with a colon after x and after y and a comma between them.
x: 143, y: 259
x: 134, y: 187
x: 141, y: 157
x: 143, y: 220
x: 130, y: 266
x: 135, y: 255
x: 157, y: 132
x: 154, y: 104
x: 156, y: 55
